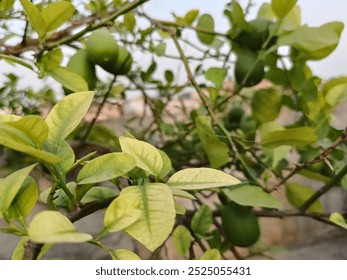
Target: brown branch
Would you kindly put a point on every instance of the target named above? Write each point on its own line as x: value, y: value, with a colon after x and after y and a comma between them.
x: 321, y: 157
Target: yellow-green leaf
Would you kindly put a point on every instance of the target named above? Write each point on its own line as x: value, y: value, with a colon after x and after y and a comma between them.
x: 338, y: 219
x: 266, y: 104
x: 35, y: 18
x: 123, y: 254
x: 211, y: 254
x: 157, y: 214
x: 282, y: 7
x: 57, y: 13
x: 206, y: 26
x: 68, y: 79
x: 295, y: 137
x: 201, y: 178
x: 297, y: 195
x: 147, y: 157
x: 53, y: 227
x: 181, y: 239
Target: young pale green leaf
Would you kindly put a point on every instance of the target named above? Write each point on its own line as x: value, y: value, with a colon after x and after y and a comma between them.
x: 265, y: 12
x: 181, y: 239
x: 57, y: 13
x: 202, y: 220
x: 237, y: 16
x: 61, y: 199
x: 35, y: 18
x: 130, y: 21
x: 191, y: 16
x: 13, y: 138
x: 123, y: 254
x: 98, y: 193
x: 11, y: 185
x: 217, y: 151
x: 336, y: 94
x: 292, y: 21
x: 211, y: 254
x: 146, y: 156
x: 53, y: 227
x: 206, y: 27
x: 122, y: 212
x: 216, y: 76
x: 295, y: 137
x: 51, y: 60
x: 298, y: 194
x: 252, y: 196
x: 13, y: 59
x: 201, y: 178
x: 266, y: 104
x: 338, y: 219
x: 314, y: 43
x: 282, y: 7
x: 34, y: 128
x: 25, y: 199
x: 65, y: 116
x: 180, y: 209
x: 160, y: 49
x: 68, y: 79
x: 182, y: 193
x: 158, y: 214
x: 106, y: 167
x: 167, y: 165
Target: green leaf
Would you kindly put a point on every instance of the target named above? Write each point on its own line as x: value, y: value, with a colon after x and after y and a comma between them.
x: 19, y: 251
x: 60, y: 197
x: 167, y: 165
x: 157, y: 217
x: 252, y: 196
x: 181, y: 239
x: 295, y: 137
x: 202, y: 220
x: 129, y: 21
x: 106, y: 167
x: 34, y: 128
x: 57, y: 13
x: 211, y: 254
x: 191, y: 16
x: 5, y: 5
x: 216, y: 76
x: 11, y: 186
x: 25, y: 199
x: 98, y: 193
x: 147, y: 157
x: 298, y: 194
x: 206, y: 23
x: 282, y: 7
x: 338, y: 219
x: 53, y: 227
x: 201, y: 178
x: 122, y: 212
x: 65, y: 116
x: 51, y: 60
x: 13, y: 138
x: 68, y: 79
x: 12, y: 59
x: 314, y: 42
x: 180, y: 209
x: 35, y: 18
x: 123, y: 254
x: 216, y: 150
x: 182, y: 194
x: 266, y: 104
x: 238, y: 16
x: 169, y: 76
x: 160, y: 49
x: 292, y: 21
x: 336, y: 94
x: 66, y: 154
x: 265, y: 12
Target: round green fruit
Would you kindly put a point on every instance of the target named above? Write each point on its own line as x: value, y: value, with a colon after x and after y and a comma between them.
x: 124, y: 62
x: 240, y: 225
x: 256, y: 38
x: 247, y: 61
x: 81, y: 65
x: 102, y: 49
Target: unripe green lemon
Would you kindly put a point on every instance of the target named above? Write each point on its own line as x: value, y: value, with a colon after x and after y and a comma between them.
x: 81, y: 65
x: 102, y: 49
x: 124, y: 61
x: 255, y: 38
x: 240, y: 225
x: 247, y: 62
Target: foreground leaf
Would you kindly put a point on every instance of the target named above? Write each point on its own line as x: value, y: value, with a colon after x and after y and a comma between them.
x: 35, y: 18
x: 338, y: 219
x: 53, y: 227
x: 157, y: 214
x: 252, y: 196
x: 201, y: 178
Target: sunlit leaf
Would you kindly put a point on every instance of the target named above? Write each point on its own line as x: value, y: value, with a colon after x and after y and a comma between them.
x: 69, y: 79
x: 201, y: 178
x: 98, y: 193
x: 105, y: 167
x: 53, y: 227
x: 211, y: 254
x: 338, y: 219
x: 191, y: 16
x: 167, y: 165
x: 123, y: 254
x: 282, y: 7
x: 146, y: 156
x: 57, y: 13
